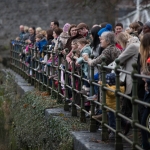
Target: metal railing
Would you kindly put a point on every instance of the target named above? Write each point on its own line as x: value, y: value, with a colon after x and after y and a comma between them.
x: 43, y: 81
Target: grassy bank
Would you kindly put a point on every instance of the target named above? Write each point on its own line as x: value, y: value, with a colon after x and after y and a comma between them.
x: 23, y: 124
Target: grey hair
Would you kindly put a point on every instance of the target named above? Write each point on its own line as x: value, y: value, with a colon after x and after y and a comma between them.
x: 109, y: 37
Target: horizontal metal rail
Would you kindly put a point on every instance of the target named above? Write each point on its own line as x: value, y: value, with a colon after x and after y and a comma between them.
x: 51, y: 82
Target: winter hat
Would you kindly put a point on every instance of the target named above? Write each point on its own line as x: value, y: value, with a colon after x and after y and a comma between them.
x: 81, y: 25
x: 148, y: 23
x: 66, y: 27
x: 107, y: 28
x: 110, y: 79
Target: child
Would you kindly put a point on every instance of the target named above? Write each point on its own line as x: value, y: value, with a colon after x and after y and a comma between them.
x: 84, y: 49
x: 56, y: 34
x: 111, y: 100
x: 70, y: 56
x: 74, y: 47
x: 40, y: 43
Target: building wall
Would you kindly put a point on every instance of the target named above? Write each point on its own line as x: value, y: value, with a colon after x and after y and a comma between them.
x: 144, y: 16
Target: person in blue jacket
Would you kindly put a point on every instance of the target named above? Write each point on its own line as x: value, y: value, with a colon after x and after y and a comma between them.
x: 40, y: 42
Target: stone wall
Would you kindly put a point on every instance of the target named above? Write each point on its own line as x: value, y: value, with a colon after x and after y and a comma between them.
x: 40, y: 13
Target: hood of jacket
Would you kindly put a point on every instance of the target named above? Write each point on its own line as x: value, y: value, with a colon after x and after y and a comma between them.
x: 133, y: 40
x: 86, y: 46
x: 64, y: 35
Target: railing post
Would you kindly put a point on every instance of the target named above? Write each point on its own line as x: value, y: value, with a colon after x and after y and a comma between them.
x: 36, y: 65
x: 48, y: 73
x: 59, y: 76
x: 92, y: 121
x: 134, y: 107
x: 118, y: 139
x: 104, y: 114
x: 32, y: 66
x: 66, y: 106
x: 73, y: 108
x: 28, y: 67
x: 44, y: 76
x: 53, y: 71
x: 82, y: 113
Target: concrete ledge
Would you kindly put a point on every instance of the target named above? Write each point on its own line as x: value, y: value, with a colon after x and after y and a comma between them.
x: 21, y: 84
x: 85, y: 140
x: 56, y: 112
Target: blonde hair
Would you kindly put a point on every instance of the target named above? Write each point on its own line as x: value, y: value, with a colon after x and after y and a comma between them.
x: 82, y: 41
x: 26, y: 28
x: 38, y: 29
x: 43, y: 32
x: 145, y: 51
x: 40, y: 36
x: 122, y: 39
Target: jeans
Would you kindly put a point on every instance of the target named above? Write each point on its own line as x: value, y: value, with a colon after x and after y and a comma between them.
x: 85, y: 82
x: 96, y: 89
x: 112, y: 120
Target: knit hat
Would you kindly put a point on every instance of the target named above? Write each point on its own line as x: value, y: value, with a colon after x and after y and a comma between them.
x: 110, y: 79
x: 81, y: 25
x: 107, y: 28
x: 66, y: 27
x: 148, y: 23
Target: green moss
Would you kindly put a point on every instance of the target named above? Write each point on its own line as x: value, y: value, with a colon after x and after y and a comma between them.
x: 6, y: 141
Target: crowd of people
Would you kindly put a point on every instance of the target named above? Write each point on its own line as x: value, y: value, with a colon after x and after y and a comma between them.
x: 78, y: 43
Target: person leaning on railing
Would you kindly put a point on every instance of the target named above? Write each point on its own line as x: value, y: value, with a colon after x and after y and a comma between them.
x: 110, y: 51
x: 144, y: 62
x: 40, y: 42
x: 29, y: 42
x: 73, y: 35
x: 95, y: 45
x: 85, y: 49
x: 128, y: 57
x: 60, y: 44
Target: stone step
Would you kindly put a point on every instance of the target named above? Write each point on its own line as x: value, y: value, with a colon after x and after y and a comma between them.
x: 85, y: 140
x: 56, y: 112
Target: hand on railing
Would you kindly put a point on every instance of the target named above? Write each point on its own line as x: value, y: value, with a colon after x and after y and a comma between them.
x: 85, y: 56
x: 63, y: 52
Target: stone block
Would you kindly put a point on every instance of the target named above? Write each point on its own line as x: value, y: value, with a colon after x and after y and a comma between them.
x: 85, y: 140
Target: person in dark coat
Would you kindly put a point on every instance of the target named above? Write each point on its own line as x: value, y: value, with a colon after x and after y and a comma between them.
x: 31, y: 39
x: 73, y: 35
